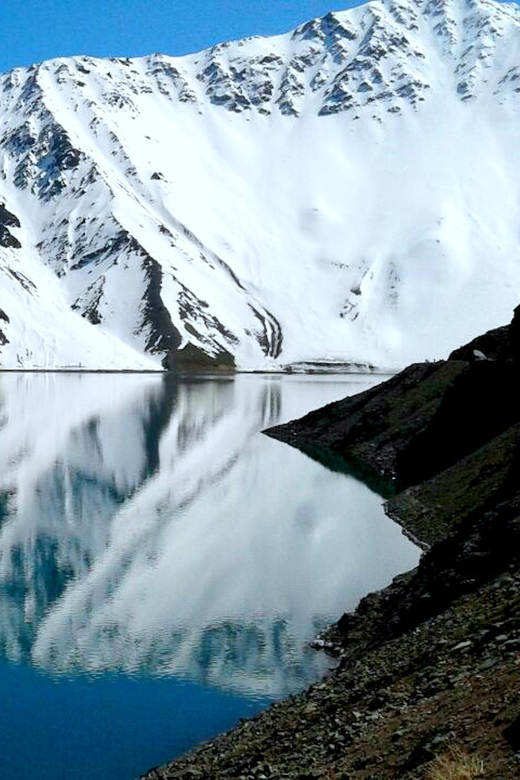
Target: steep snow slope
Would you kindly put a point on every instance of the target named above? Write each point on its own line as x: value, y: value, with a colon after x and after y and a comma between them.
x: 345, y: 192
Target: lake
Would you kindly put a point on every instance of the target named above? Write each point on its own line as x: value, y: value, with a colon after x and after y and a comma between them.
x: 163, y: 564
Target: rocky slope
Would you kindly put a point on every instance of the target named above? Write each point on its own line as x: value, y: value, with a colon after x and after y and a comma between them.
x: 346, y: 192
x: 424, y: 419
x: 429, y: 666
x: 389, y: 711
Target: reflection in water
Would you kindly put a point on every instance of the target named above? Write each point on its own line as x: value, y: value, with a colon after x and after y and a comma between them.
x: 147, y: 527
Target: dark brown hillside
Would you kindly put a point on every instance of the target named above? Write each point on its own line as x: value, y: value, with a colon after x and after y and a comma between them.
x: 429, y: 667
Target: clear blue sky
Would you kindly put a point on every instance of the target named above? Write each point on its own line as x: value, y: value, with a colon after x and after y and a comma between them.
x: 36, y: 30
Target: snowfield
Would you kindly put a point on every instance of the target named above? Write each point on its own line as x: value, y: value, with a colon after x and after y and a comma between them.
x: 346, y: 193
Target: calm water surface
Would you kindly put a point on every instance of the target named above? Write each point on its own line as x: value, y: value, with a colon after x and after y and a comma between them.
x: 163, y: 564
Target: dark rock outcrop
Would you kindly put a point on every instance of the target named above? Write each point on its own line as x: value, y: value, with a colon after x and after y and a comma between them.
x: 3, y: 337
x: 498, y: 344
x: 8, y: 220
x: 373, y: 430
x: 191, y: 358
x: 425, y: 419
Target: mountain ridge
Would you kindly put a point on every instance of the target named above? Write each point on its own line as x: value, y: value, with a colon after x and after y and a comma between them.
x: 343, y: 193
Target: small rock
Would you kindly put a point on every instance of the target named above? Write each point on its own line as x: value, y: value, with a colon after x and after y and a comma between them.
x: 461, y: 646
x: 488, y: 663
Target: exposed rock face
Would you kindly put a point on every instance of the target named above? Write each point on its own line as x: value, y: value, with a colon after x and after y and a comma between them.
x: 5, y: 318
x: 498, y: 344
x: 8, y: 220
x: 493, y: 345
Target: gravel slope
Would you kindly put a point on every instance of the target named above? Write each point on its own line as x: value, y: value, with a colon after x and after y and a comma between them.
x: 431, y: 663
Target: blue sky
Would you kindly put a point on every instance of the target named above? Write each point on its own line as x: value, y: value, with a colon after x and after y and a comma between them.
x: 35, y: 30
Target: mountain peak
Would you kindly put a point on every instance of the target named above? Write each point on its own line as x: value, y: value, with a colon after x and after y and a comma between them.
x: 341, y: 193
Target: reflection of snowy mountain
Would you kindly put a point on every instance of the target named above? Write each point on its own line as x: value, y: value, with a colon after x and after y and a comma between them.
x: 71, y: 451
x: 347, y: 191
x: 155, y: 531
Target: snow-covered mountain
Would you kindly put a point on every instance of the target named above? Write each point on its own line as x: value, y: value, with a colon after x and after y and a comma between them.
x: 349, y: 192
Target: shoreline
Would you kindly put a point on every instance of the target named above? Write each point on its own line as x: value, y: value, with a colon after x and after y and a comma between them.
x: 394, y: 703
x: 428, y: 667
x: 340, y: 369
x: 388, y: 711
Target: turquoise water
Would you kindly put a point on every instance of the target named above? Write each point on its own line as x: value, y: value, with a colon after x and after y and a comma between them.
x: 163, y: 564
x: 114, y: 725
